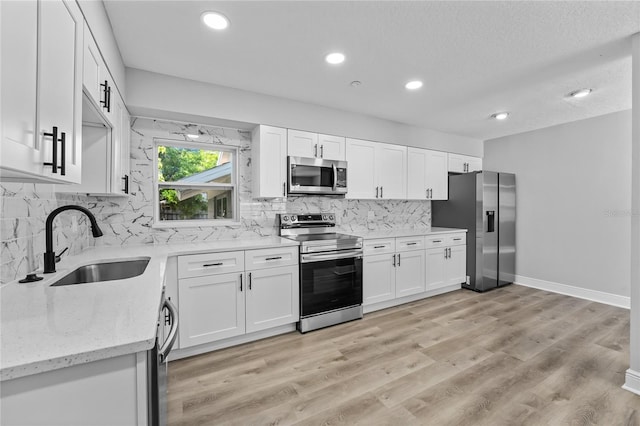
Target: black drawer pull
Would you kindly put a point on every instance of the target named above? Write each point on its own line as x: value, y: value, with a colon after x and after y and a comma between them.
x: 457, y: 239
x: 437, y: 241
x: 378, y: 246
x: 126, y: 184
x: 54, y: 153
x: 212, y: 264
x: 411, y: 244
x: 274, y: 258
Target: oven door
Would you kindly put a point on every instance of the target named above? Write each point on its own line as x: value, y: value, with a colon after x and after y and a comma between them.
x: 330, y: 281
x: 317, y: 176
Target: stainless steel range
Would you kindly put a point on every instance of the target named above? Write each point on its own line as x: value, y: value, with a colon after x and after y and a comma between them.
x: 330, y: 270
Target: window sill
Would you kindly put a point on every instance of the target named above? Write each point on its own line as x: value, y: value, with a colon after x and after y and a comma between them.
x: 193, y: 224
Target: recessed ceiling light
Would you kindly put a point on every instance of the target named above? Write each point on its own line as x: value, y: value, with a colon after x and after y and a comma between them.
x: 580, y: 93
x: 193, y: 136
x: 355, y: 83
x: 215, y: 20
x: 500, y: 115
x: 413, y: 85
x: 334, y: 58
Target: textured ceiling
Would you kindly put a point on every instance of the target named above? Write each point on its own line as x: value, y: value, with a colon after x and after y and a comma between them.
x: 475, y: 58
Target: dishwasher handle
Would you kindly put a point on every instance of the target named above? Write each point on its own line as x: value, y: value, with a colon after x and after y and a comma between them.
x: 164, y: 350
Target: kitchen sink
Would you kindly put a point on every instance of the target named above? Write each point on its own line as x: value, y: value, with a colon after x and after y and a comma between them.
x: 105, y: 271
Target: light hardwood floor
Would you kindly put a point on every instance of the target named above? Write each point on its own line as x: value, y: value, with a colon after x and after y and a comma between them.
x: 513, y: 356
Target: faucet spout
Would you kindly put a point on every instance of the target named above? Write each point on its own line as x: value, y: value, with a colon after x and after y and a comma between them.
x: 50, y: 255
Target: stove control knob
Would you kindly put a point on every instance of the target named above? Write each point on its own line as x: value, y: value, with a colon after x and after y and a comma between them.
x: 285, y: 218
x: 294, y: 218
x: 330, y: 217
x: 324, y: 217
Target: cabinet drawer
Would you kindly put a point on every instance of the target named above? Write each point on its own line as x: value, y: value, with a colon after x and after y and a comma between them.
x: 456, y: 239
x: 198, y: 265
x: 436, y: 241
x: 268, y: 258
x: 380, y: 246
x: 409, y: 243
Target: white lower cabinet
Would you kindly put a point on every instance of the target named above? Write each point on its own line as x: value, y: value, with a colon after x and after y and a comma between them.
x: 211, y: 308
x: 393, y: 268
x: 397, y: 270
x: 272, y: 298
x: 218, y: 299
x: 410, y: 273
x: 379, y: 279
x: 447, y: 264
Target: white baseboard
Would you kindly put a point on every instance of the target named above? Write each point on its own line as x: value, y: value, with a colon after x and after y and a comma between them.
x: 569, y: 290
x: 632, y: 382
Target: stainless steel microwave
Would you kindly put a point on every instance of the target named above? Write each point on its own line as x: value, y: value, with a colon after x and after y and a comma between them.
x: 317, y: 176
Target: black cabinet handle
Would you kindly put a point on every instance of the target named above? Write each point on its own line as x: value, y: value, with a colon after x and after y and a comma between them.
x: 274, y: 258
x: 315, y: 152
x: 381, y: 192
x: 63, y: 162
x: 411, y: 244
x: 376, y: 192
x: 106, y: 104
x: 249, y: 280
x: 284, y: 189
x: 240, y: 282
x: 321, y: 151
x: 54, y: 154
x: 378, y: 246
x: 126, y: 184
x: 445, y: 253
x: 398, y: 259
x: 394, y: 260
x: 436, y: 241
x: 206, y: 265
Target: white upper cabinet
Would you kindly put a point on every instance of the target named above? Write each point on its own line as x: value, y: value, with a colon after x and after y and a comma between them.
x: 391, y: 166
x: 459, y: 163
x: 332, y: 147
x: 96, y: 78
x: 361, y: 170
x: 376, y: 170
x: 269, y: 162
x: 426, y: 174
x: 314, y: 145
x: 50, y: 150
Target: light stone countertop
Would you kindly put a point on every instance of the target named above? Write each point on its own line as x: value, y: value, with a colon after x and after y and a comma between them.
x: 45, y: 328
x: 397, y: 233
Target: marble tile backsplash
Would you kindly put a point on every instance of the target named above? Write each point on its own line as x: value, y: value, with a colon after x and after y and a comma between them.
x: 129, y: 220
x: 24, y: 209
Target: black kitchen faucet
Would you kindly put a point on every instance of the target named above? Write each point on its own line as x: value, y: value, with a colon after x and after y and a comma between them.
x: 50, y: 255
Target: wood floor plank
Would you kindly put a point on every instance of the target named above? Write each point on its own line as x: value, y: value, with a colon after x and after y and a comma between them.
x: 512, y: 356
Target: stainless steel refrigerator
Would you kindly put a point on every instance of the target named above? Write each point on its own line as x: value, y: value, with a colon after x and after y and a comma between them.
x: 485, y: 204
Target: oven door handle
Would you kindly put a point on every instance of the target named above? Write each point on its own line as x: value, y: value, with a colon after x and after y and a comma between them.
x: 318, y: 257
x: 164, y: 350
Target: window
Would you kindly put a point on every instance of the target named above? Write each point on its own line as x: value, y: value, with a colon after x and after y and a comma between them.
x: 195, y: 184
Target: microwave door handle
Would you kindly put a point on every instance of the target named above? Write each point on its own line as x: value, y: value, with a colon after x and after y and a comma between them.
x: 335, y: 177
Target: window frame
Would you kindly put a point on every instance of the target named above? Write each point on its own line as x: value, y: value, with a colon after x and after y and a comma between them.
x: 195, y: 223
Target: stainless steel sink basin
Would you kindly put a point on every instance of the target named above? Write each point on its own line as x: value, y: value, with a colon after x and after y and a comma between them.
x: 105, y: 271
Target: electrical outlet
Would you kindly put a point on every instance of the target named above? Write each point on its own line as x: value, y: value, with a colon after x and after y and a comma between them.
x: 371, y: 215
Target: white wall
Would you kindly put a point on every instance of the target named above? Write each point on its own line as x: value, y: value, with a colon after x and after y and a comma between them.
x: 163, y: 96
x: 573, y: 201
x: 98, y: 21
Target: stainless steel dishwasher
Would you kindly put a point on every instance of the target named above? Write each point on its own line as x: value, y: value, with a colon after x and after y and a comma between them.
x: 157, y: 363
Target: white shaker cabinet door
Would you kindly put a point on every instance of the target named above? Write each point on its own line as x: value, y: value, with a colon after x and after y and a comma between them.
x: 391, y: 167
x: 302, y: 144
x: 273, y: 297
x: 331, y: 147
x: 361, y: 170
x: 437, y: 176
x: 410, y: 273
x: 19, y: 55
x: 417, y: 174
x: 435, y: 268
x: 269, y: 162
x: 211, y: 308
x: 378, y: 278
x: 456, y: 265
x: 60, y: 86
